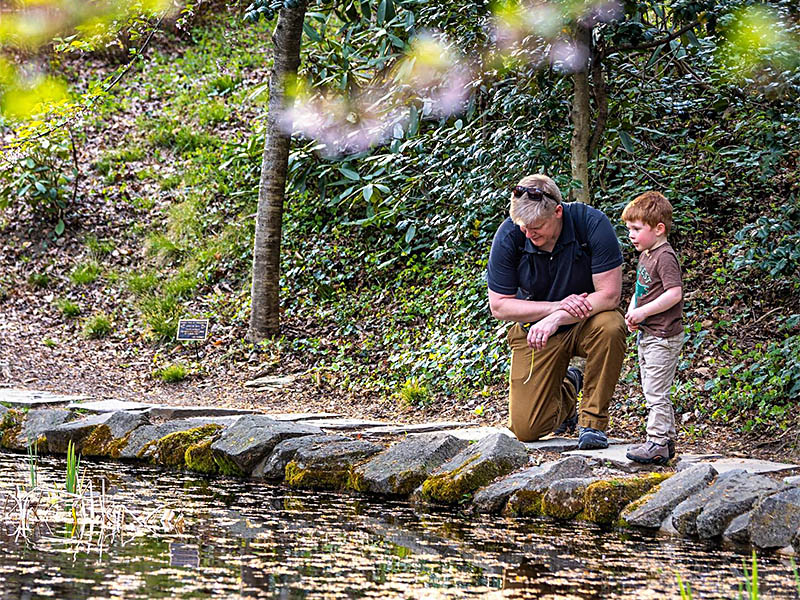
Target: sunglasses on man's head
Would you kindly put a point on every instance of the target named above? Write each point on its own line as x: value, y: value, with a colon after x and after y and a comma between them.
x: 535, y: 194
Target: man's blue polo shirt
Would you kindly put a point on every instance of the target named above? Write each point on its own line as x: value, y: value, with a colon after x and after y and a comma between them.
x: 518, y: 267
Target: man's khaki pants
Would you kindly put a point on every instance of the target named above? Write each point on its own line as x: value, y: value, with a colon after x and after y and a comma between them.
x: 539, y: 403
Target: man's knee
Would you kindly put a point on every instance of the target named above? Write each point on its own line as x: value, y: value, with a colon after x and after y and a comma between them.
x: 608, y: 323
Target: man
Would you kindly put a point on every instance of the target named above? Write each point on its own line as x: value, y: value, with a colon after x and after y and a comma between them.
x: 556, y: 269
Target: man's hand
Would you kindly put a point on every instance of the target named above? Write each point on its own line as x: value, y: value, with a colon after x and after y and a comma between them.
x: 541, y: 331
x: 576, y: 305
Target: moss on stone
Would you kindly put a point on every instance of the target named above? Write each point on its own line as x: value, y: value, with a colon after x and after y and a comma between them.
x: 170, y: 450
x: 525, y: 503
x: 603, y: 500
x: 11, y: 426
x: 355, y: 481
x: 96, y: 443
x: 115, y: 447
x: 316, y: 479
x: 457, y: 485
x: 200, y: 458
x: 226, y: 466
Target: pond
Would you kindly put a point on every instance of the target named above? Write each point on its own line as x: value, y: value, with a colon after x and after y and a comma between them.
x: 200, y: 538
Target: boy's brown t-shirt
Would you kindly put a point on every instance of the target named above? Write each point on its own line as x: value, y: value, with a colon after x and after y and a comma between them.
x: 658, y: 271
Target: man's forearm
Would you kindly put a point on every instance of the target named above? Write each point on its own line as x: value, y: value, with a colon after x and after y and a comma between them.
x: 522, y: 311
x: 599, y: 302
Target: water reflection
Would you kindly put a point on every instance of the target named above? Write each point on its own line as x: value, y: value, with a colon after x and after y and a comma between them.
x: 249, y: 540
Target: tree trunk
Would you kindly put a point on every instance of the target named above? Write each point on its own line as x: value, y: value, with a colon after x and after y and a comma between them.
x: 581, y: 115
x: 264, y: 315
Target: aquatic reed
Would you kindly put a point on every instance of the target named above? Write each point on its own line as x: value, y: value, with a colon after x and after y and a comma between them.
x: 33, y: 460
x: 750, y: 580
x: 73, y: 469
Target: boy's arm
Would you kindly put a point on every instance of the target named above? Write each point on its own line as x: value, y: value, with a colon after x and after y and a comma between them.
x: 665, y: 301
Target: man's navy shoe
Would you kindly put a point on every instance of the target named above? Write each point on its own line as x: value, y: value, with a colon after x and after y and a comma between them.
x: 592, y: 439
x: 575, y: 377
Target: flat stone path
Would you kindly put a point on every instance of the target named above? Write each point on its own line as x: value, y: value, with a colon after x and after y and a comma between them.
x: 613, y: 456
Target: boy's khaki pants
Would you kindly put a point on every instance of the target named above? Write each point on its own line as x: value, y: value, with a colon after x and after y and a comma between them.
x: 538, y: 406
x: 658, y: 359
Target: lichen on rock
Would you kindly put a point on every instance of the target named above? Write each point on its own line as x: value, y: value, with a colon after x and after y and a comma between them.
x: 97, y: 442
x: 454, y: 486
x: 604, y: 500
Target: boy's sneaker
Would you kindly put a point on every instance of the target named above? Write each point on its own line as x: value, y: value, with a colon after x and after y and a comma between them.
x: 650, y: 452
x: 592, y: 439
x: 575, y: 377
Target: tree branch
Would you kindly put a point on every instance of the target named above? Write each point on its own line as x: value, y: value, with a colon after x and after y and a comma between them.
x: 600, y: 99
x: 655, y: 43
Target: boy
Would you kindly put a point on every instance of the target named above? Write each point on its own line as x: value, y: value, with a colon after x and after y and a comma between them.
x: 655, y: 312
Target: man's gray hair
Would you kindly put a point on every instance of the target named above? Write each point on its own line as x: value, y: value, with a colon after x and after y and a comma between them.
x: 525, y: 211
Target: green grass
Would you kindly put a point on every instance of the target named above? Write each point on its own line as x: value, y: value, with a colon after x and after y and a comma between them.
x: 171, y: 373
x: 162, y: 248
x: 99, y: 247
x: 49, y: 343
x: 142, y: 284
x: 39, y: 280
x: 85, y: 273
x: 160, y: 315
x: 97, y: 326
x: 68, y: 308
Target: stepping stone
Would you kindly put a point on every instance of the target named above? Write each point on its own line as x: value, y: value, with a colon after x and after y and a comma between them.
x: 615, y: 455
x: 775, y: 520
x: 652, y: 512
x: 302, y: 416
x: 553, y: 444
x: 404, y: 466
x: 793, y: 480
x: 328, y: 466
x: 37, y: 422
x: 140, y: 437
x: 15, y: 397
x: 169, y: 413
x: 274, y: 465
x: 418, y: 428
x: 475, y: 434
x: 751, y: 465
x: 270, y: 382
x: 475, y: 467
x: 103, y: 406
x: 344, y: 423
x: 253, y: 437
x: 120, y: 423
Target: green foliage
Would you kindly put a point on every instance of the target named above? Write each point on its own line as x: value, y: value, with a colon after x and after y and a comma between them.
x: 49, y: 343
x: 171, y: 373
x: 142, y: 283
x: 414, y: 393
x: 770, y: 247
x: 97, y: 326
x: 99, y: 247
x: 39, y: 280
x: 68, y: 308
x: 33, y: 462
x: 41, y: 177
x: 85, y: 273
x: 764, y: 382
x: 161, y: 315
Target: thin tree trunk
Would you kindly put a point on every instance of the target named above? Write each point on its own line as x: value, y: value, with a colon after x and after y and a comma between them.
x: 600, y: 101
x: 265, y: 315
x: 581, y: 122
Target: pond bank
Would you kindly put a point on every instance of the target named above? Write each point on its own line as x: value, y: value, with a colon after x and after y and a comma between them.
x: 481, y: 470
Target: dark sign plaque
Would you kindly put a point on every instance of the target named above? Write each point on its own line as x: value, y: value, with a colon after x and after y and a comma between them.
x: 192, y: 329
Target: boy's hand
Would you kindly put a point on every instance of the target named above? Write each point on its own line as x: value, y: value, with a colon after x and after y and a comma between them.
x: 633, y: 317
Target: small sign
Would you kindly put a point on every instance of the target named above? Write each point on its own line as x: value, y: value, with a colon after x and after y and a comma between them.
x: 192, y: 329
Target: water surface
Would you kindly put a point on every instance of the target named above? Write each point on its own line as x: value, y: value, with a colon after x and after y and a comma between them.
x: 241, y: 539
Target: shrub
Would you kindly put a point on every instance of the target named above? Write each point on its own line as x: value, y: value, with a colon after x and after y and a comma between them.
x: 97, y: 326
x: 68, y: 308
x: 171, y: 373
x: 85, y: 274
x: 99, y: 247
